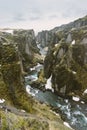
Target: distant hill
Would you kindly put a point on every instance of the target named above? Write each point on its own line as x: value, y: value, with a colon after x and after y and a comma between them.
x: 75, y: 24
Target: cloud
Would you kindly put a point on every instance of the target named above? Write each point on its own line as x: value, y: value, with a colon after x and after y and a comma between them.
x: 34, y: 18
x: 54, y: 16
x: 19, y: 17
x: 40, y: 14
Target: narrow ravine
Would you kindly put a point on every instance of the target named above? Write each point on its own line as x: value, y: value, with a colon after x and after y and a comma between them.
x: 72, y: 111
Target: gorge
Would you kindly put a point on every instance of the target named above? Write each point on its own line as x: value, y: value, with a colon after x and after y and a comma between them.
x: 45, y: 74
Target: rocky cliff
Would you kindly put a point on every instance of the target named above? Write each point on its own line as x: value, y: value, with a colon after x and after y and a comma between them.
x: 66, y: 61
x: 65, y: 64
x: 26, y: 43
x: 81, y: 22
x: 17, y: 52
x: 11, y: 78
x: 46, y: 38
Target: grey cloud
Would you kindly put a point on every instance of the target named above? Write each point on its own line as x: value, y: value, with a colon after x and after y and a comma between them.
x: 53, y: 16
x: 34, y: 10
x: 29, y: 16
x: 34, y: 18
x: 19, y: 17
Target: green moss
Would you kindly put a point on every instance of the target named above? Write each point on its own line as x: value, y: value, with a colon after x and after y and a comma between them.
x: 81, y: 74
x: 68, y: 69
x: 14, y: 122
x: 61, y: 34
x: 64, y: 46
x: 78, y: 53
x: 12, y: 80
x: 77, y: 34
x: 9, y: 54
x: 63, y: 76
x: 4, y: 91
x: 41, y: 77
x: 37, y: 125
x: 11, y: 72
x: 48, y: 64
x: 4, y: 125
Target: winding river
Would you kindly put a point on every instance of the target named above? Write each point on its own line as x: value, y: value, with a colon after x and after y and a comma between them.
x: 72, y: 111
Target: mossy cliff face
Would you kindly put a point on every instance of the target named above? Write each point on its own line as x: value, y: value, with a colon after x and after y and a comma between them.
x: 18, y: 52
x: 67, y: 65
x: 75, y: 28
x: 26, y: 42
x: 45, y: 38
x: 81, y: 22
x: 66, y: 60
x: 11, y: 80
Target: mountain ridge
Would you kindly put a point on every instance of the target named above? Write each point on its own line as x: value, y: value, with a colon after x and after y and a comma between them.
x: 73, y: 24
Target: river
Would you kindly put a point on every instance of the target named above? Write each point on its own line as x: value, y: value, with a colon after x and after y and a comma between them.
x: 72, y: 111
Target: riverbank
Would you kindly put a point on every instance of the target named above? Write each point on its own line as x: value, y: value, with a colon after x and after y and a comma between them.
x: 72, y: 110
x: 43, y: 118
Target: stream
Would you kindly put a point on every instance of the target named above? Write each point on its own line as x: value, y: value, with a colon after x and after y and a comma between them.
x: 74, y: 112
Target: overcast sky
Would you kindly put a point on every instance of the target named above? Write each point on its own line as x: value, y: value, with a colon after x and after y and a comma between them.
x: 40, y: 14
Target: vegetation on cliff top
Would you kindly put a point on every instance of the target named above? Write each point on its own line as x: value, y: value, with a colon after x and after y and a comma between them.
x: 11, y: 85
x: 66, y: 63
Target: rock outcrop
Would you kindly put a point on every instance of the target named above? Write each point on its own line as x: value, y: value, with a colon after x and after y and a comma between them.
x: 66, y: 61
x: 11, y: 79
x: 18, y: 52
x: 45, y: 38
x: 67, y: 65
x: 26, y: 43
x: 81, y: 22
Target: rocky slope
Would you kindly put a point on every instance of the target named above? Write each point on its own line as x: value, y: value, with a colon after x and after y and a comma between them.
x: 26, y: 42
x: 46, y: 38
x: 11, y: 77
x: 17, y: 53
x: 65, y: 64
x: 66, y: 61
x: 81, y: 22
x: 42, y: 119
